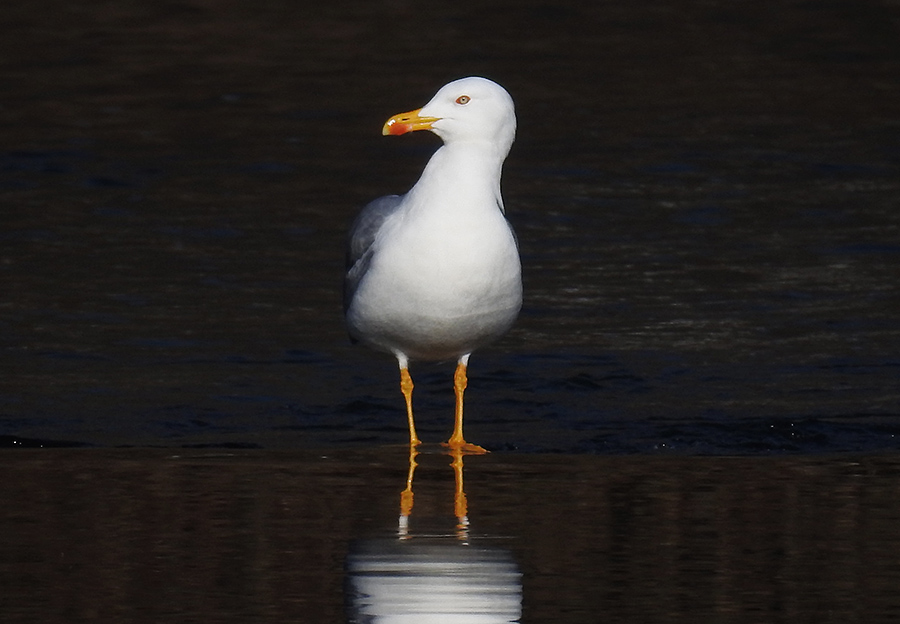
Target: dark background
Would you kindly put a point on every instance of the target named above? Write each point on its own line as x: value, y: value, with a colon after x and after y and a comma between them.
x: 705, y: 195
x: 706, y: 198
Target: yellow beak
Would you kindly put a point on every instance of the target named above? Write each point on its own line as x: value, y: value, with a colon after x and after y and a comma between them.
x: 408, y: 122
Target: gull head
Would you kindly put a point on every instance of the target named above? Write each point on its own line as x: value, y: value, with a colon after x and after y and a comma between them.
x: 467, y: 110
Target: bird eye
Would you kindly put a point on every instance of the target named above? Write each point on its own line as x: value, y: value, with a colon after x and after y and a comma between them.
x: 463, y: 99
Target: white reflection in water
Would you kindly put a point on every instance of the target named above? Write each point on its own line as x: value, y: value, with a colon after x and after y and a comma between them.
x: 432, y: 580
x: 425, y: 579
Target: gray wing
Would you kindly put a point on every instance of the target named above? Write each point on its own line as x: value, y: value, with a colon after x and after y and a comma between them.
x: 362, y: 235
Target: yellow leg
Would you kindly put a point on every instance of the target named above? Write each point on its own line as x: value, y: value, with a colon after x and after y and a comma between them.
x: 457, y: 441
x: 406, y: 386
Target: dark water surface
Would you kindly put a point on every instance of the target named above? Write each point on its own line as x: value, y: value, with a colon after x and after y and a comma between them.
x: 706, y: 196
x: 268, y: 536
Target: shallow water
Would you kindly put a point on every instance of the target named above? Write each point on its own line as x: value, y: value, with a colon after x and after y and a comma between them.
x: 152, y: 535
x: 705, y: 196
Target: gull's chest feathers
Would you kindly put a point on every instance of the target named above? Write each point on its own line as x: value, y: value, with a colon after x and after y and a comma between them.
x: 451, y: 242
x: 453, y: 221
x: 446, y: 240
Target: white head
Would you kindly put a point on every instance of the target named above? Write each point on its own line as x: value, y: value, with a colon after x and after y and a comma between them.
x: 466, y: 110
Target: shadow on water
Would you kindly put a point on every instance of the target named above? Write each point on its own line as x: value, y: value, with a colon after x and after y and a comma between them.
x: 233, y: 536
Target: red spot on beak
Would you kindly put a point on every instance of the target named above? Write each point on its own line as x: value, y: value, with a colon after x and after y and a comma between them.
x: 398, y: 128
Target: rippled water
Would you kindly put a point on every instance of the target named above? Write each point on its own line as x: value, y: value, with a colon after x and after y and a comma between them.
x: 705, y: 197
x: 706, y: 200
x: 149, y: 536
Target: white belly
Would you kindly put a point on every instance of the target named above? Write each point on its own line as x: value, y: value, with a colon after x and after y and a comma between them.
x: 438, y: 293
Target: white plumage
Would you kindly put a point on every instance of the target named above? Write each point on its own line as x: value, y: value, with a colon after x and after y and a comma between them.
x: 435, y: 274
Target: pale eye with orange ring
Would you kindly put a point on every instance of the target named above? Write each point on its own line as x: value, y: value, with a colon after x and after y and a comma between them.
x: 463, y: 99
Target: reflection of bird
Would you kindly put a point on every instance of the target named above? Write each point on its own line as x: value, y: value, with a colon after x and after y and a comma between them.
x: 434, y: 274
x: 434, y: 577
x: 432, y: 580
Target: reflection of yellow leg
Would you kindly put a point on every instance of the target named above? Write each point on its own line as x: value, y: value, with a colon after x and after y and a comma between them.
x: 461, y: 507
x: 459, y: 384
x: 406, y: 497
x: 406, y: 386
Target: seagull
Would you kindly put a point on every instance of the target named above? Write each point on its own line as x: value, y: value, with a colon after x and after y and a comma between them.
x: 435, y: 274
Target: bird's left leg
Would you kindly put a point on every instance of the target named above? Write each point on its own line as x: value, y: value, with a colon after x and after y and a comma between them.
x: 460, y: 381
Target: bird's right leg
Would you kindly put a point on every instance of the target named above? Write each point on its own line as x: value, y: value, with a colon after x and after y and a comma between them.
x: 406, y: 387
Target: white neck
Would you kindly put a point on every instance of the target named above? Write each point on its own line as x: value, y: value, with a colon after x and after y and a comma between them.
x: 460, y: 176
